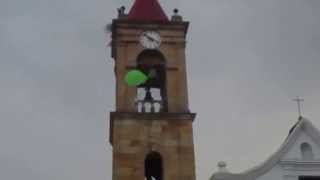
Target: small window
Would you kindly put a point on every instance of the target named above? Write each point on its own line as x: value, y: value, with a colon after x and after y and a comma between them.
x: 306, y: 151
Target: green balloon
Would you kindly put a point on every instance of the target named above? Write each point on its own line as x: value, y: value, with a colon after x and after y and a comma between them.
x: 135, y: 78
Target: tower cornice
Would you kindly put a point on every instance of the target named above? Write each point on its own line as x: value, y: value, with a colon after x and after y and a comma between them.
x: 125, y: 27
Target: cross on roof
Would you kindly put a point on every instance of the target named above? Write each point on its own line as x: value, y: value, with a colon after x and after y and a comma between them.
x: 299, y: 100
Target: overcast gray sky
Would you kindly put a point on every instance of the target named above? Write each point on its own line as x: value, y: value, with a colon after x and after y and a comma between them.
x: 246, y: 60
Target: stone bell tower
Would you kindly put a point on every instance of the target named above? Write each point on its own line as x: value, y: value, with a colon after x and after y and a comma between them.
x: 151, y: 128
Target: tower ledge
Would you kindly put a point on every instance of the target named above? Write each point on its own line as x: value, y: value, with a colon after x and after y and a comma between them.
x: 148, y: 116
x: 152, y: 116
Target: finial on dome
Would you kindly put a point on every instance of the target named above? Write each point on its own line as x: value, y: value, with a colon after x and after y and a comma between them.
x: 176, y: 11
x: 176, y: 16
x: 222, y: 166
x: 121, y: 11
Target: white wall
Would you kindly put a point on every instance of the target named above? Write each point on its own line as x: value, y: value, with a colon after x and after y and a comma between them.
x: 291, y: 166
x: 295, y: 153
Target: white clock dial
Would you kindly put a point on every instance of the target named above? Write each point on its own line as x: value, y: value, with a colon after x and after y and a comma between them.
x: 150, y: 40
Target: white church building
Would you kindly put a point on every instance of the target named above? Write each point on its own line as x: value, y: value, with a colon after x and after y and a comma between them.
x: 298, y: 158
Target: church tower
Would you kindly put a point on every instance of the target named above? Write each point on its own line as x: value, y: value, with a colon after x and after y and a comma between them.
x: 151, y: 128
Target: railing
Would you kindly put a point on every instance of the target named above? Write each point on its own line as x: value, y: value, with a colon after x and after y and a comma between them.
x: 153, y: 106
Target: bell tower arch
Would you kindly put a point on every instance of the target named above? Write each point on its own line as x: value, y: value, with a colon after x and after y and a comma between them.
x: 151, y: 128
x: 153, y: 166
x: 154, y: 96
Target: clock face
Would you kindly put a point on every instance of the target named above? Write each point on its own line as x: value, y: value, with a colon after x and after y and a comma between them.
x: 150, y: 40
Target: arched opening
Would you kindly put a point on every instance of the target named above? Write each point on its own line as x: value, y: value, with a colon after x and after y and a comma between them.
x: 152, y: 95
x: 306, y: 151
x: 153, y: 166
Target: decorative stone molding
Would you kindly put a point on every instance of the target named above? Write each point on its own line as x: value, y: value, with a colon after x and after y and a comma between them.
x: 300, y: 165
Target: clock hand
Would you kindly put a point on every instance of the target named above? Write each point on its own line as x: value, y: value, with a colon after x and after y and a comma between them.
x: 151, y: 38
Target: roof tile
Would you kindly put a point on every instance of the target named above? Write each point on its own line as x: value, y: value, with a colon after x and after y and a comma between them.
x: 147, y: 10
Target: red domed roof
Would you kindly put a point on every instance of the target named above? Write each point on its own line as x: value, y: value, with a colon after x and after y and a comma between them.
x: 147, y: 10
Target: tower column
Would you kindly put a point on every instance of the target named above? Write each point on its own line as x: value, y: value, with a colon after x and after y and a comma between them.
x: 154, y: 141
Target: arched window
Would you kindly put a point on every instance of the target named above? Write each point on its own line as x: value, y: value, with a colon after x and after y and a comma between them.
x: 153, y: 166
x: 153, y: 95
x: 306, y: 151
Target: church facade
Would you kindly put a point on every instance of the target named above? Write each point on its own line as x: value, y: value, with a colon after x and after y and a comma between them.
x: 298, y: 158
